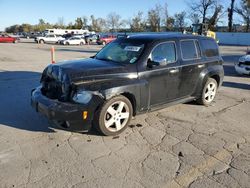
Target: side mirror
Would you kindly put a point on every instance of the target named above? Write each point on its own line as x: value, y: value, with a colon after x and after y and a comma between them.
x: 157, y: 61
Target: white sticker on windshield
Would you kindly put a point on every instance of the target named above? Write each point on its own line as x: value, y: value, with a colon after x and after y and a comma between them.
x: 132, y: 48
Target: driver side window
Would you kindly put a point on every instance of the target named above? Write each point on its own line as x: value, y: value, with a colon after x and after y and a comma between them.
x: 164, y: 52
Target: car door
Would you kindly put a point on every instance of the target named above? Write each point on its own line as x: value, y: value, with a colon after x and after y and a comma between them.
x: 76, y: 40
x: 162, y: 74
x: 192, y: 63
x: 6, y: 38
x: 2, y: 38
x: 48, y: 38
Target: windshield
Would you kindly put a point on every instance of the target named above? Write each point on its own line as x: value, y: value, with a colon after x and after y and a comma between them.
x: 121, y: 51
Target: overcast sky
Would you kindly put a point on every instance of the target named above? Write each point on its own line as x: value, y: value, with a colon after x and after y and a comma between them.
x: 30, y: 11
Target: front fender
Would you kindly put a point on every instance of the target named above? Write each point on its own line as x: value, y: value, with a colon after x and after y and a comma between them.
x: 129, y: 87
x: 107, y: 88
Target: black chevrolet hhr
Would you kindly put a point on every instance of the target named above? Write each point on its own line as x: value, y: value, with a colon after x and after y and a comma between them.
x: 131, y: 75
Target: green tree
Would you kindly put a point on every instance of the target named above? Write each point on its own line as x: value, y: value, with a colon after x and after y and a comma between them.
x: 78, y: 23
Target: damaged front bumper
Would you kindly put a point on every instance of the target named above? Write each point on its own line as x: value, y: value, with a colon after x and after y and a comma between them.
x: 69, y: 116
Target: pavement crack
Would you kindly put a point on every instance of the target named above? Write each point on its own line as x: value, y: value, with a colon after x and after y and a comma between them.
x: 29, y: 175
x: 70, y: 145
x: 223, y: 110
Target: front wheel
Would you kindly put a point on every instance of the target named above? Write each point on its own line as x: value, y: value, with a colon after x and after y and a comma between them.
x: 208, y: 93
x: 114, y: 116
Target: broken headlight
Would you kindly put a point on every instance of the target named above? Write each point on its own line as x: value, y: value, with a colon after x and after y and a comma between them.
x: 82, y: 97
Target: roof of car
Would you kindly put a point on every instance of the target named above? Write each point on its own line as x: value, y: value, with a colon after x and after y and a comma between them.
x: 154, y: 37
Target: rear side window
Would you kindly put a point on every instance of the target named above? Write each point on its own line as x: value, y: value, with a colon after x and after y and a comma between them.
x: 210, y: 48
x: 190, y: 49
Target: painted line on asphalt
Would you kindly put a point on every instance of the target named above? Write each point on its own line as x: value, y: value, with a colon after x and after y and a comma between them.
x: 195, y: 172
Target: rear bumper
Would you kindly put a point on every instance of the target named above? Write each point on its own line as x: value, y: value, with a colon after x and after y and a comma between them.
x: 68, y: 115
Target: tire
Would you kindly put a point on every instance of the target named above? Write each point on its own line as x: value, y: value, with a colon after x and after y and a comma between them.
x: 114, y: 116
x: 67, y: 43
x: 41, y: 41
x: 208, y: 92
x: 81, y: 43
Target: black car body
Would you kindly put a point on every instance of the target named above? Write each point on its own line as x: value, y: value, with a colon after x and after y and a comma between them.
x: 144, y: 82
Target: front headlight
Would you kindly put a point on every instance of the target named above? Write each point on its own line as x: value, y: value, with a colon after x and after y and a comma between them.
x: 82, y: 97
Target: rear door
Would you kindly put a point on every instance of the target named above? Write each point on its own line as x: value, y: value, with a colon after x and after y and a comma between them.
x: 192, y: 64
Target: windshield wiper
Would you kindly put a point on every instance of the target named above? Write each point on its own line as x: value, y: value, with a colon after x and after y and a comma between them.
x: 105, y: 59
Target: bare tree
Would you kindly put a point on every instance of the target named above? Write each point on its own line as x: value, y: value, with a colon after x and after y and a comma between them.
x: 98, y: 24
x: 180, y: 20
x: 138, y: 24
x: 202, y: 7
x: 212, y: 22
x: 230, y: 15
x: 170, y: 23
x: 244, y: 11
x: 194, y: 18
x: 165, y: 15
x: 154, y: 18
x: 113, y: 21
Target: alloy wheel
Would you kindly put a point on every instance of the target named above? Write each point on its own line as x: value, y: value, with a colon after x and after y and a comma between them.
x: 116, y: 116
x: 210, y: 92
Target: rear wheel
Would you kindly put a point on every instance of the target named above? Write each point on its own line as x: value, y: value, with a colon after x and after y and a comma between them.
x: 81, y: 43
x: 208, y: 93
x: 41, y: 41
x: 114, y: 116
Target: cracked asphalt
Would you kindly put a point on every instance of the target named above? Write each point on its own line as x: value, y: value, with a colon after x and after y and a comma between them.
x: 186, y: 145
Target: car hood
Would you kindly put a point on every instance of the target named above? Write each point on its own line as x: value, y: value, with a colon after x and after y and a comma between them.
x: 84, y: 69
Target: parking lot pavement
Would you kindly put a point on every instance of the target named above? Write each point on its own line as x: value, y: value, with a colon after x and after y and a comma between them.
x: 186, y: 145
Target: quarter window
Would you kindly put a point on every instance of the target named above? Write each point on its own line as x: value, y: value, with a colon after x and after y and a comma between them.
x: 165, y: 51
x: 189, y: 50
x: 210, y: 48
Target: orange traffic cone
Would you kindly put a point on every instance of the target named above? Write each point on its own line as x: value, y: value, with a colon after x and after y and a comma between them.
x: 53, y: 55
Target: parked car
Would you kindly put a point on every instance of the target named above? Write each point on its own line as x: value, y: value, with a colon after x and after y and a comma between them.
x: 50, y: 38
x: 105, y: 39
x: 129, y: 76
x: 90, y: 39
x: 4, y: 38
x: 76, y: 40
x: 243, y: 66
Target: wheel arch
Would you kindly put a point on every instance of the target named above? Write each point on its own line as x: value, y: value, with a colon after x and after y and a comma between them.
x: 132, y: 100
x: 217, y: 78
x: 215, y: 72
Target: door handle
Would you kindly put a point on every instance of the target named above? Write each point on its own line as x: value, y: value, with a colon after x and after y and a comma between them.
x: 172, y: 71
x: 201, y: 66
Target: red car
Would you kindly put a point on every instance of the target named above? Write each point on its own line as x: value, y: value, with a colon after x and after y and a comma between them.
x: 105, y: 39
x: 6, y: 38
